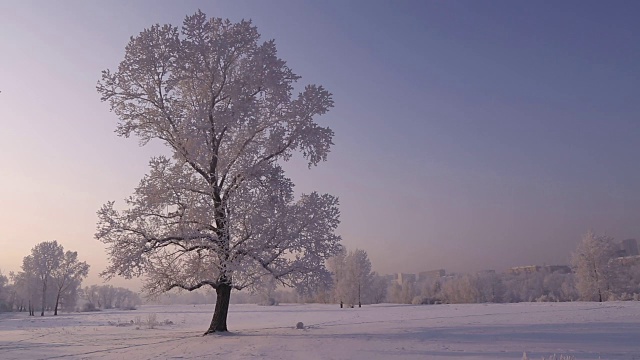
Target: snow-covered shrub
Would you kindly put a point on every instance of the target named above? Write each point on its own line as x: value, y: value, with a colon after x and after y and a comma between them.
x: 547, y: 298
x: 152, y: 320
x: 268, y: 302
x: 120, y: 323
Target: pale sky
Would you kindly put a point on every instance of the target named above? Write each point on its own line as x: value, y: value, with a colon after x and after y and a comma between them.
x: 470, y: 135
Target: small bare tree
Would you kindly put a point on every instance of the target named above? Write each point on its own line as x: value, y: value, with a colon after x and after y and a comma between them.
x: 68, y: 275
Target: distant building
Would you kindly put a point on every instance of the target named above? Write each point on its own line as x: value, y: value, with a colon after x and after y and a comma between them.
x: 630, y: 247
x: 402, y: 278
x: 530, y: 269
x: 391, y: 277
x: 486, y: 272
x: 431, y: 275
x: 618, y: 253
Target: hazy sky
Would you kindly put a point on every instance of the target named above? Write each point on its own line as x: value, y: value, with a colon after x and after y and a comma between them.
x: 469, y: 134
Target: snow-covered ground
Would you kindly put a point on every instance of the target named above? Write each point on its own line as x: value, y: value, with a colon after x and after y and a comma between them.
x: 478, y: 331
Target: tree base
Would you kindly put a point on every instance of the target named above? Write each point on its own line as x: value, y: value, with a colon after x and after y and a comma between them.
x: 219, y: 320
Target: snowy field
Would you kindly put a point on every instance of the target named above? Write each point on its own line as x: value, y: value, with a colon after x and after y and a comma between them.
x: 477, y: 331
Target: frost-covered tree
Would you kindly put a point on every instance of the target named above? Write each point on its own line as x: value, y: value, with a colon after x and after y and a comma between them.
x: 352, y: 277
x: 336, y: 265
x: 490, y: 287
x: 378, y: 290
x: 126, y: 299
x: 68, y: 276
x: 360, y: 276
x: 4, y: 292
x: 92, y: 296
x: 44, y: 259
x: 592, y: 265
x: 25, y: 291
x: 106, y: 296
x: 461, y: 290
x: 219, y: 212
x: 407, y: 291
x: 627, y: 280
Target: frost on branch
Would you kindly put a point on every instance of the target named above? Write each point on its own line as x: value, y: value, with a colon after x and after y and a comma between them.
x: 215, y: 94
x: 169, y: 230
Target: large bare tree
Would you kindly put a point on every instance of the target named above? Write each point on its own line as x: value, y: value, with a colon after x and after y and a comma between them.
x: 219, y: 212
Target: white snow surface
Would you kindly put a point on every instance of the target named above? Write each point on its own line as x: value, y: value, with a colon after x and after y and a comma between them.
x: 608, y: 330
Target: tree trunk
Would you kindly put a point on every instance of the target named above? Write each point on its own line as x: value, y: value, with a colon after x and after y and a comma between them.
x: 595, y: 271
x: 44, y: 297
x: 55, y: 310
x: 219, y: 321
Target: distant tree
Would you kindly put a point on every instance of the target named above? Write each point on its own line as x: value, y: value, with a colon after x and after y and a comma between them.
x: 4, y: 292
x: 68, y: 276
x: 107, y: 295
x: 336, y: 265
x: 627, y: 280
x: 220, y: 212
x: 45, y: 258
x: 360, y: 275
x: 266, y: 291
x: 592, y: 265
x: 402, y: 293
x: 378, y: 290
x: 92, y: 296
x: 461, y: 290
x: 560, y: 287
x: 489, y: 288
x: 26, y: 290
x: 126, y: 299
x: 321, y: 293
x: 407, y: 291
x: 429, y: 291
x: 352, y: 276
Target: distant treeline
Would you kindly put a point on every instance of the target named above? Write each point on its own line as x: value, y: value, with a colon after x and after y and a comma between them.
x: 598, y: 274
x: 50, y: 279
